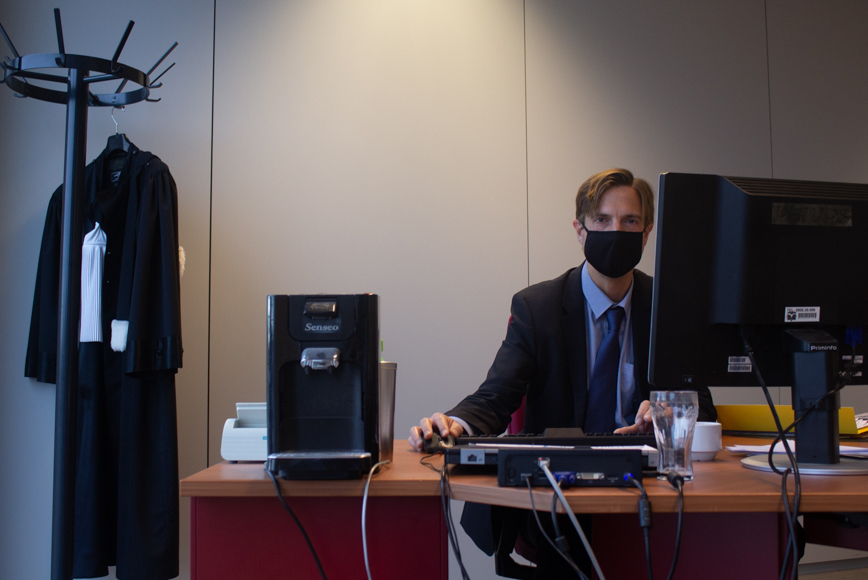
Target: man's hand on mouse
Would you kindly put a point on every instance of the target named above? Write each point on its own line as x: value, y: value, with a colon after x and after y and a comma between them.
x: 643, y: 423
x: 444, y: 425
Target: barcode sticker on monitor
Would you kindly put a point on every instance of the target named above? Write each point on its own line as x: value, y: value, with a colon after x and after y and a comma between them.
x: 802, y: 314
x: 739, y: 364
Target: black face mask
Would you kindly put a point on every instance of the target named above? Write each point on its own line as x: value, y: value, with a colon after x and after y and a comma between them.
x: 613, y: 253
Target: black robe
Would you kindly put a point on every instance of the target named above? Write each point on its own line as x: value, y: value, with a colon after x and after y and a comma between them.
x: 126, y: 497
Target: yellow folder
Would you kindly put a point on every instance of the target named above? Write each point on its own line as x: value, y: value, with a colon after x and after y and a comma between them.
x: 759, y: 418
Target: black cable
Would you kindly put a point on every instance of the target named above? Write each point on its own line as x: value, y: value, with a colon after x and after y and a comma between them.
x: 843, y: 381
x: 560, y: 539
x: 554, y: 512
x: 678, y: 483
x: 644, y: 520
x: 791, y: 514
x: 564, y: 555
x: 792, y: 522
x: 297, y: 523
x: 543, y: 464
x: 786, y: 558
x: 792, y: 519
x: 647, y: 533
x: 447, y: 513
x: 445, y: 498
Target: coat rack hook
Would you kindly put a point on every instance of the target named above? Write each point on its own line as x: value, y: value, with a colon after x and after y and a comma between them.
x: 9, y: 42
x: 162, y: 58
x: 57, y: 24
x: 153, y: 84
x: 153, y: 68
x: 121, y: 45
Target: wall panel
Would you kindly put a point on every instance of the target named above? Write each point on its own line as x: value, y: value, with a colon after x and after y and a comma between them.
x: 369, y: 147
x: 817, y: 55
x: 653, y: 87
x: 177, y: 129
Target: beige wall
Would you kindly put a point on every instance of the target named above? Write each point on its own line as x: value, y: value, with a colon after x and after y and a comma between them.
x: 381, y: 149
x: 178, y: 130
x: 426, y: 151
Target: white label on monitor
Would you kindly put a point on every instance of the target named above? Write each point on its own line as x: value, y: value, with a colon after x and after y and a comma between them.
x: 739, y: 364
x: 802, y: 314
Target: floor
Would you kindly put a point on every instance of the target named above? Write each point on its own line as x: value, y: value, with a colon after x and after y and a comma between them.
x: 855, y: 574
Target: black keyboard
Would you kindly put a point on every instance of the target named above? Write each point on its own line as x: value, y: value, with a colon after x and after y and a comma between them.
x: 563, y: 437
x: 483, y: 449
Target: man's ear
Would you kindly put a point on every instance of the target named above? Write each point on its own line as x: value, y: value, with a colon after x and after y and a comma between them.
x: 580, y: 231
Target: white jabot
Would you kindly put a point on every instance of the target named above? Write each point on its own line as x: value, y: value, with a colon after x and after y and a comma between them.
x: 92, y: 260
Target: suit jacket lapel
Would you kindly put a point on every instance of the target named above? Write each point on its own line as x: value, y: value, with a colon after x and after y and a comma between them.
x: 575, y: 342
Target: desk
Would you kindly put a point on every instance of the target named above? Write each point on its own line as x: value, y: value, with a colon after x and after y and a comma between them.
x: 240, y: 530
x: 732, y: 527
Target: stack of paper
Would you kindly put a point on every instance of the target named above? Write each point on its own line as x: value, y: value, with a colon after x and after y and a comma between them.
x: 846, y: 450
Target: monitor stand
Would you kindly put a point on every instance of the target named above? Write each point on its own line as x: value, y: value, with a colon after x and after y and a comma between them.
x: 845, y: 467
x: 813, y: 357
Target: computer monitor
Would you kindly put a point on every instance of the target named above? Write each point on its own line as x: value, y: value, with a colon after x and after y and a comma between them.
x: 776, y: 264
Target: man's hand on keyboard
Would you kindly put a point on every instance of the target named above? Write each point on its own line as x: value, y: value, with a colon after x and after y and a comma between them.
x: 439, y: 421
x: 643, y: 421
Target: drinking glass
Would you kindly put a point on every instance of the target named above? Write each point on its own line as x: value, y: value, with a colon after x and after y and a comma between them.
x: 674, y: 414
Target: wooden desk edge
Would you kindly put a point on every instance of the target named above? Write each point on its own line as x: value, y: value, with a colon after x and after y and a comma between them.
x: 625, y: 500
x: 405, y: 476
x: 733, y: 488
x: 355, y: 488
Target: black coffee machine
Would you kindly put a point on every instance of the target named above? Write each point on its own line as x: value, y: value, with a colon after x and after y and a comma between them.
x: 323, y: 385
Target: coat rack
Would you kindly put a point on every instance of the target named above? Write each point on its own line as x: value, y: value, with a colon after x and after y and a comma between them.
x: 82, y: 72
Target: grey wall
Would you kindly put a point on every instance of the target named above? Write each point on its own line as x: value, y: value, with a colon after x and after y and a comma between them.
x: 426, y: 151
x: 178, y: 129
x: 383, y: 150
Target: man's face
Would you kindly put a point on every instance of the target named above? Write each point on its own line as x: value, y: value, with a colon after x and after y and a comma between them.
x: 620, y: 209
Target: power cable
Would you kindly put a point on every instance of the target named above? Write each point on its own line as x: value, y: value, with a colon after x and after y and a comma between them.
x: 297, y: 523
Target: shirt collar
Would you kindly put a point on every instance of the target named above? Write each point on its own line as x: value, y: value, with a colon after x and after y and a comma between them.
x: 597, y: 299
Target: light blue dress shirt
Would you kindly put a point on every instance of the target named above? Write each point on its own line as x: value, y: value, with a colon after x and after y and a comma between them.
x: 596, y: 327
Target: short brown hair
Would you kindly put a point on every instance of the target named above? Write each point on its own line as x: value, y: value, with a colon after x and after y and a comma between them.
x: 596, y: 185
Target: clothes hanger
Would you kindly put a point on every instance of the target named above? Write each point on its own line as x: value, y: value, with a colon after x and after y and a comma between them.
x: 118, y: 141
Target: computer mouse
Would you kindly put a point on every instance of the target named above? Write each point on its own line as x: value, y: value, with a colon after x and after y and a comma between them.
x: 438, y: 443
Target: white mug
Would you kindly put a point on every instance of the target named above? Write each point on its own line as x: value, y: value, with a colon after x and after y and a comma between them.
x: 706, y: 441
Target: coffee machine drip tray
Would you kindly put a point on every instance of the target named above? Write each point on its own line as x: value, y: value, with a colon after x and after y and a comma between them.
x: 319, y: 464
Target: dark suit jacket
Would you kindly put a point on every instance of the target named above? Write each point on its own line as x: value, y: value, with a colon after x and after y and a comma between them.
x: 544, y: 358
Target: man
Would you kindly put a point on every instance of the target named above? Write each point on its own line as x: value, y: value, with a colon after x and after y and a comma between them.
x: 576, y: 348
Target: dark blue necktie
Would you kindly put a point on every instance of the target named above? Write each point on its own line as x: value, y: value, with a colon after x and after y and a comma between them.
x: 603, y: 391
